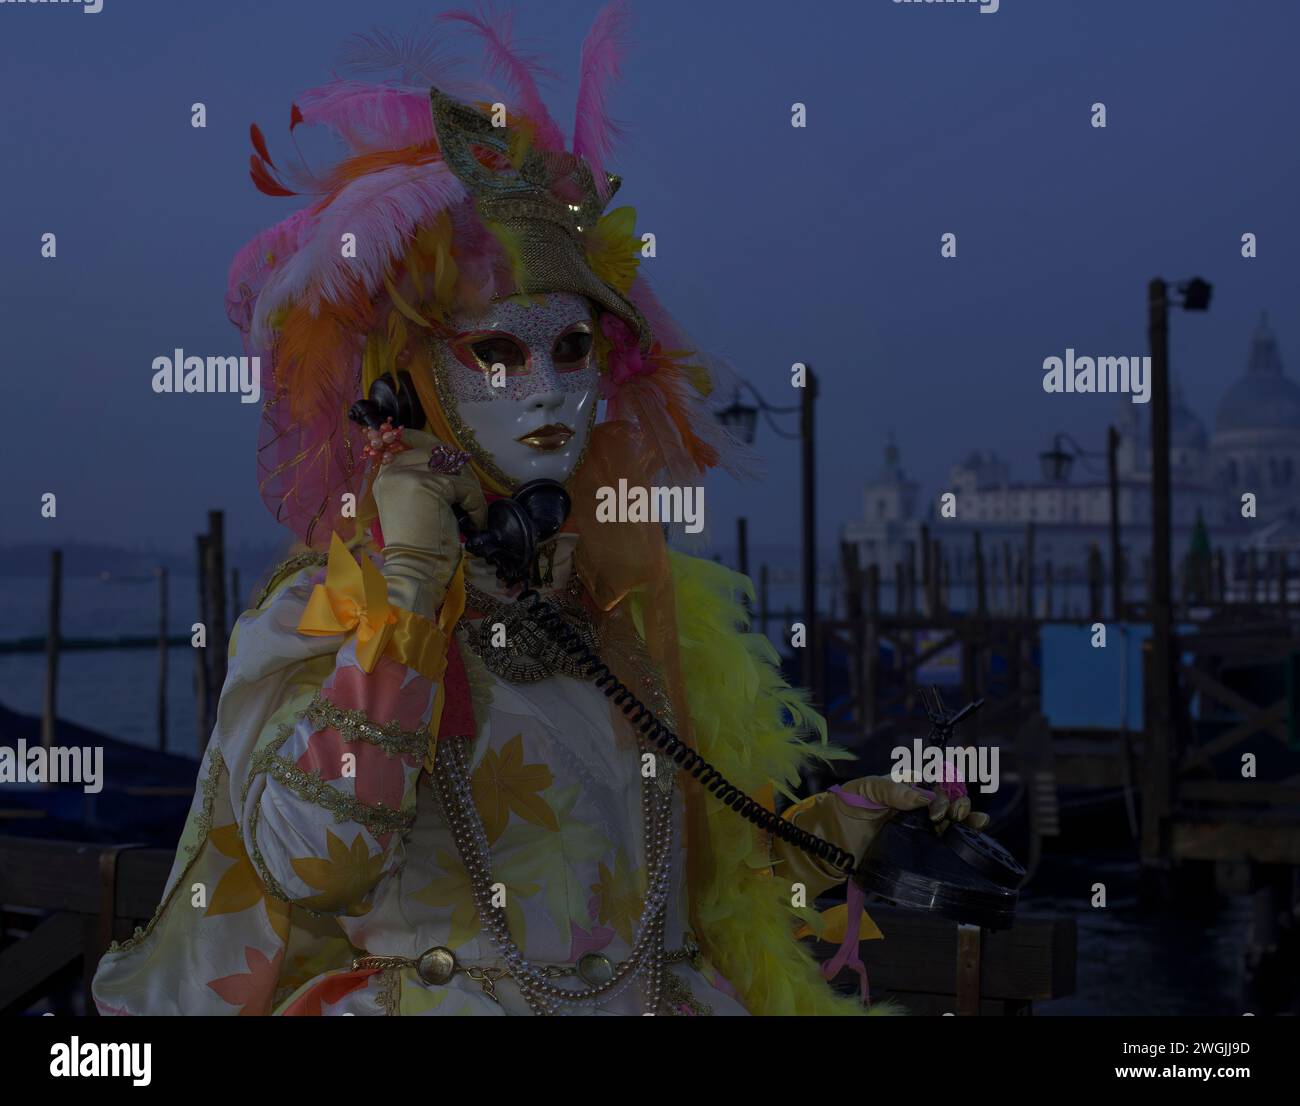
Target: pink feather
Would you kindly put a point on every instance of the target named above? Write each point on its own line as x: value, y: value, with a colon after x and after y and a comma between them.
x: 251, y: 269
x: 415, y: 58
x: 370, y: 117
x: 520, y: 71
x: 383, y: 210
x: 602, y: 53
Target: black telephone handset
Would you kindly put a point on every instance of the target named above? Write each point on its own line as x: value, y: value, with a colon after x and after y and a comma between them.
x: 970, y: 880
x: 516, y: 526
x: 390, y: 401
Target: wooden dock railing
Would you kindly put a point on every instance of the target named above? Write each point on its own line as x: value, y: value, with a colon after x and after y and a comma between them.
x: 62, y: 903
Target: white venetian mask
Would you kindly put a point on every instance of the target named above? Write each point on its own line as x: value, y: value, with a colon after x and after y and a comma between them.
x: 518, y: 384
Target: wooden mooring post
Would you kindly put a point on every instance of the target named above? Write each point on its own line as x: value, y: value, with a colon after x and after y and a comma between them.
x: 216, y: 551
x: 50, y: 700
x: 162, y: 659
x: 210, y: 661
x: 202, y: 690
x: 870, y: 649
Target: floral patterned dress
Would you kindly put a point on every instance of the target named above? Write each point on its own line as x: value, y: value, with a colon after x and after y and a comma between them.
x: 318, y: 863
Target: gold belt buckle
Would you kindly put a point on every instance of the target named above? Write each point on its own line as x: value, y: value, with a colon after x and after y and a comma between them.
x: 436, y: 966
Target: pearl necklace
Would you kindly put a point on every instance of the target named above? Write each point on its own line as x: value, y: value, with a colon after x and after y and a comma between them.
x: 535, y: 984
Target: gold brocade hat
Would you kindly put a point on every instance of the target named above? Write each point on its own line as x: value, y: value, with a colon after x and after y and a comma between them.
x: 527, y: 205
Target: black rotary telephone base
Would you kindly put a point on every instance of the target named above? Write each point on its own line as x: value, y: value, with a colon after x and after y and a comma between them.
x: 909, y: 865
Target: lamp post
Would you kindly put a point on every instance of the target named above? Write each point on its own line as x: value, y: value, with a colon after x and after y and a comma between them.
x: 1056, y: 464
x: 742, y: 420
x: 1158, y: 774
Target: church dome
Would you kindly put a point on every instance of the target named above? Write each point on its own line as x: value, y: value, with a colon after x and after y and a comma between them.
x: 1265, y: 398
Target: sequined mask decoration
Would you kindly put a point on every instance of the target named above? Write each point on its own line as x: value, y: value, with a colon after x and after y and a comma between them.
x: 519, y: 385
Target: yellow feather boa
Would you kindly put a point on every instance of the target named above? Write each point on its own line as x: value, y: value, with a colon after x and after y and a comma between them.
x: 741, y: 711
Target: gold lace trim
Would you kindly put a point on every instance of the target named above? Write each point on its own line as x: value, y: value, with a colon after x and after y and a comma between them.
x: 269, y: 881
x: 287, y: 568
x: 310, y: 787
x: 354, y: 725
x: 203, y: 822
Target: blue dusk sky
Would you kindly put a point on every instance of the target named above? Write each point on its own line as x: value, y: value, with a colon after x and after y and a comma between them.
x: 775, y: 244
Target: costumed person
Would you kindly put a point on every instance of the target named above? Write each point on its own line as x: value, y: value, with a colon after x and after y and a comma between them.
x: 415, y: 800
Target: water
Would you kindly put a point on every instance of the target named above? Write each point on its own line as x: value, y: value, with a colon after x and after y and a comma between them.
x: 1150, y: 963
x: 98, y: 608
x: 112, y: 691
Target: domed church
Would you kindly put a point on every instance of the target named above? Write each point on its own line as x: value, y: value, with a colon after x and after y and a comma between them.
x: 1256, y: 443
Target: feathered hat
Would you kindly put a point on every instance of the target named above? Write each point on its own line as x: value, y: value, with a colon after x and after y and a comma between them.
x: 433, y: 210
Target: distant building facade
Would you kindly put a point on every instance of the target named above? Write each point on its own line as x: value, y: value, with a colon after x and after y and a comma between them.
x: 1255, y: 447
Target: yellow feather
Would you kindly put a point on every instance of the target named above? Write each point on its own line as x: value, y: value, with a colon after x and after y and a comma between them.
x: 737, y: 702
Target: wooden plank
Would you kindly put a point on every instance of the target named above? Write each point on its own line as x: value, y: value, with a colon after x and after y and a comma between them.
x: 1031, y: 961
x: 1251, y: 712
x: 1215, y: 838
x: 28, y: 963
x: 64, y: 876
x: 1242, y: 792
x: 967, y: 975
x: 1254, y: 647
x: 1226, y: 740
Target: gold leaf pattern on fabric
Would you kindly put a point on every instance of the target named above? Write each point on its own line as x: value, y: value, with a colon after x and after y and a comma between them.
x: 323, y: 951
x: 621, y: 893
x: 531, y: 852
x: 239, y: 887
x: 344, y: 879
x: 503, y: 783
x: 453, y: 889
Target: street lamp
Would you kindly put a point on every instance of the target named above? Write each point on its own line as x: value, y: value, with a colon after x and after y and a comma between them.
x: 742, y: 420
x: 1196, y: 294
x: 1058, y: 461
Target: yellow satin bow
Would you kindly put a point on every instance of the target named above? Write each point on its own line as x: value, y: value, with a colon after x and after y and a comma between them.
x: 353, y: 597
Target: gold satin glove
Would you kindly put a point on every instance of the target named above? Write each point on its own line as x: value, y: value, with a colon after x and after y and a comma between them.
x: 854, y: 828
x: 421, y: 535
